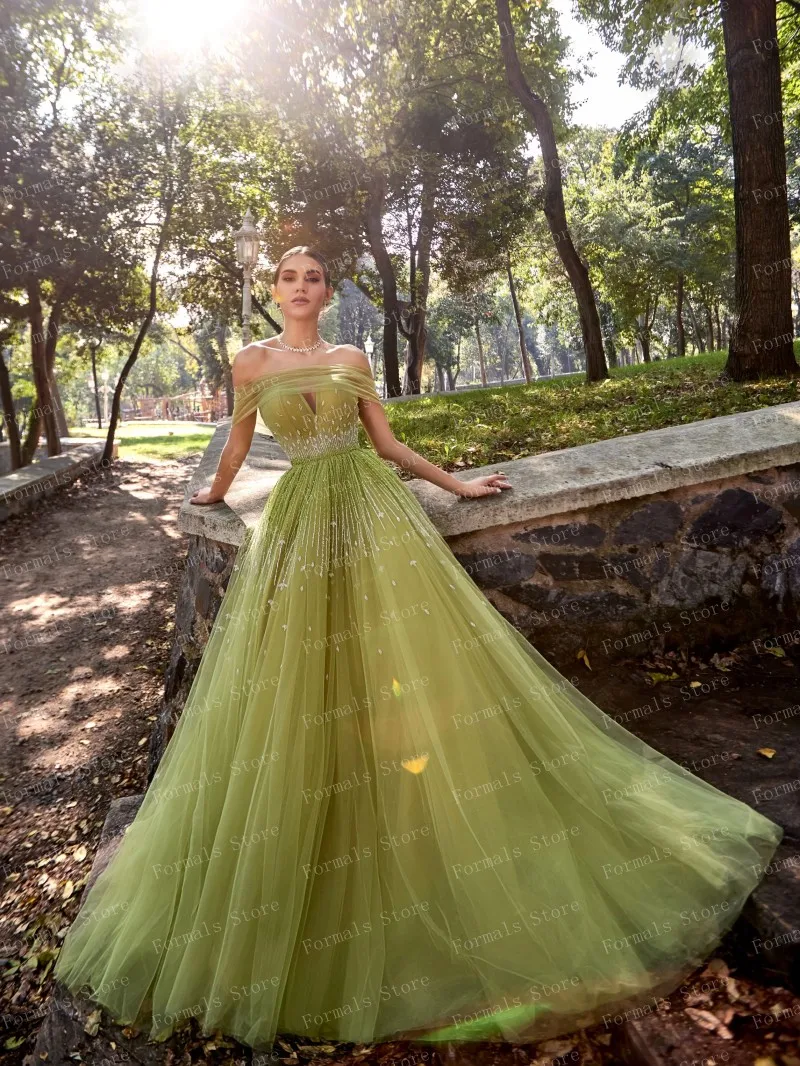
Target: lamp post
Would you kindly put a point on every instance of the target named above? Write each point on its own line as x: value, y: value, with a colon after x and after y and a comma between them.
x: 247, y: 242
x: 106, y: 390
x: 90, y: 382
x: 369, y: 348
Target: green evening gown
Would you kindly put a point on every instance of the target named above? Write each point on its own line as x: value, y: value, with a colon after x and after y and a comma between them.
x: 383, y: 814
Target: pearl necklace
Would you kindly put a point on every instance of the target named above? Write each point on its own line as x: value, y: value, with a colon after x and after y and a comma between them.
x: 307, y: 349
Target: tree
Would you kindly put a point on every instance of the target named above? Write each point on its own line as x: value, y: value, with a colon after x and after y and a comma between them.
x: 424, y: 117
x: 761, y: 343
x: 577, y: 270
x: 690, y: 178
x: 451, y: 320
x: 56, y: 213
x: 748, y: 37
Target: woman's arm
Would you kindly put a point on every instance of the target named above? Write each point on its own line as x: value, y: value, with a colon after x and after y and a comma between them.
x: 388, y: 447
x: 230, y: 462
x: 236, y: 447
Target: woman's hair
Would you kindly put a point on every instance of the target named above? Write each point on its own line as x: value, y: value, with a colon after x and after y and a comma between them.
x: 304, y: 249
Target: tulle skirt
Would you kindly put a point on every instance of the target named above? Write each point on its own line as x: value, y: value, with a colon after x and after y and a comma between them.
x: 383, y: 814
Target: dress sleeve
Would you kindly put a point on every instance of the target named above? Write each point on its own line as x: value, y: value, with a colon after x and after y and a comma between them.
x: 365, y: 386
x: 245, y: 399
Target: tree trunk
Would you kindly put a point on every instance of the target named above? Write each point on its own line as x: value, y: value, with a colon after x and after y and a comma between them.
x: 391, y: 306
x: 453, y: 372
x: 679, y: 324
x: 94, y: 350
x: 761, y: 343
x: 420, y: 275
x: 643, y: 335
x: 58, y: 407
x: 481, y: 360
x: 9, y: 417
x: 698, y: 333
x: 719, y: 326
x: 611, y: 351
x: 51, y: 343
x: 555, y: 212
x: 526, y: 363
x: 44, y: 412
x: 709, y: 326
x: 116, y: 402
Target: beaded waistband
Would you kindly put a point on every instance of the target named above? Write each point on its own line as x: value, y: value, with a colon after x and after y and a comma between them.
x: 326, y: 454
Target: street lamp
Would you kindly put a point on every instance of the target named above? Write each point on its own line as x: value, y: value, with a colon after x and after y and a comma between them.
x: 246, y: 241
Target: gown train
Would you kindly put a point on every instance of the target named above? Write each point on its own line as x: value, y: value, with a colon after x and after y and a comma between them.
x: 383, y: 814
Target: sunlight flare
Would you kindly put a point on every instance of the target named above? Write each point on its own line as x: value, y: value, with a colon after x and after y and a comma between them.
x: 187, y: 26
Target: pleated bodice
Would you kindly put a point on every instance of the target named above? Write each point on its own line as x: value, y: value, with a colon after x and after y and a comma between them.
x: 312, y: 410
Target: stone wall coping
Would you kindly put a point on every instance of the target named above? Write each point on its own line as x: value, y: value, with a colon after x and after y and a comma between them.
x: 551, y: 483
x: 22, y: 488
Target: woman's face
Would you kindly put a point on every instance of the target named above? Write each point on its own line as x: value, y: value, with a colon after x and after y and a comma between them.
x: 300, y: 289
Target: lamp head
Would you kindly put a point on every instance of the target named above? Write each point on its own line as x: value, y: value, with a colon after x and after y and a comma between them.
x: 247, y: 242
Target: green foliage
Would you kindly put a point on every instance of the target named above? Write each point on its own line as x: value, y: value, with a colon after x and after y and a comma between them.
x: 664, y: 41
x: 324, y: 106
x: 478, y: 428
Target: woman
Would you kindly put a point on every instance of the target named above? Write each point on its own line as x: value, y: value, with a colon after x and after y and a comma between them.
x: 383, y: 813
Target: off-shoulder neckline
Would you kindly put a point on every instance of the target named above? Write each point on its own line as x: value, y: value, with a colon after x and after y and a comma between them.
x: 300, y: 369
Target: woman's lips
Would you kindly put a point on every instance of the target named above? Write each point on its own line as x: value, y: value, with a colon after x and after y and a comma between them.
x: 300, y: 300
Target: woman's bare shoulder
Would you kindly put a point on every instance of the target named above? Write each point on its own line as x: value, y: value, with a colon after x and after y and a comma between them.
x: 249, y: 363
x: 355, y: 356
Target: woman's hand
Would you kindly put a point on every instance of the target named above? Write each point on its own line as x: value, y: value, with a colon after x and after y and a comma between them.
x: 204, y: 496
x: 489, y: 485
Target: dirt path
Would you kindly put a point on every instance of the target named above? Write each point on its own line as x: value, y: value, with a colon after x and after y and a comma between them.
x: 88, y: 585
x: 88, y: 593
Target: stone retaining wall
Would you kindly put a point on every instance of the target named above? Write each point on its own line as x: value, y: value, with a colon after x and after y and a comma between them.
x: 682, y: 537
x: 23, y: 488
x: 703, y: 566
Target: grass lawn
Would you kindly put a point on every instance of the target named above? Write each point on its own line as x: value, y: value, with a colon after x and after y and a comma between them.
x: 489, y: 426
x: 155, y: 440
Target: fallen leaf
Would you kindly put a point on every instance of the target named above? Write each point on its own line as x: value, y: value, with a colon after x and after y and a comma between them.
x: 706, y: 1020
x: 93, y: 1022
x: 732, y: 988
